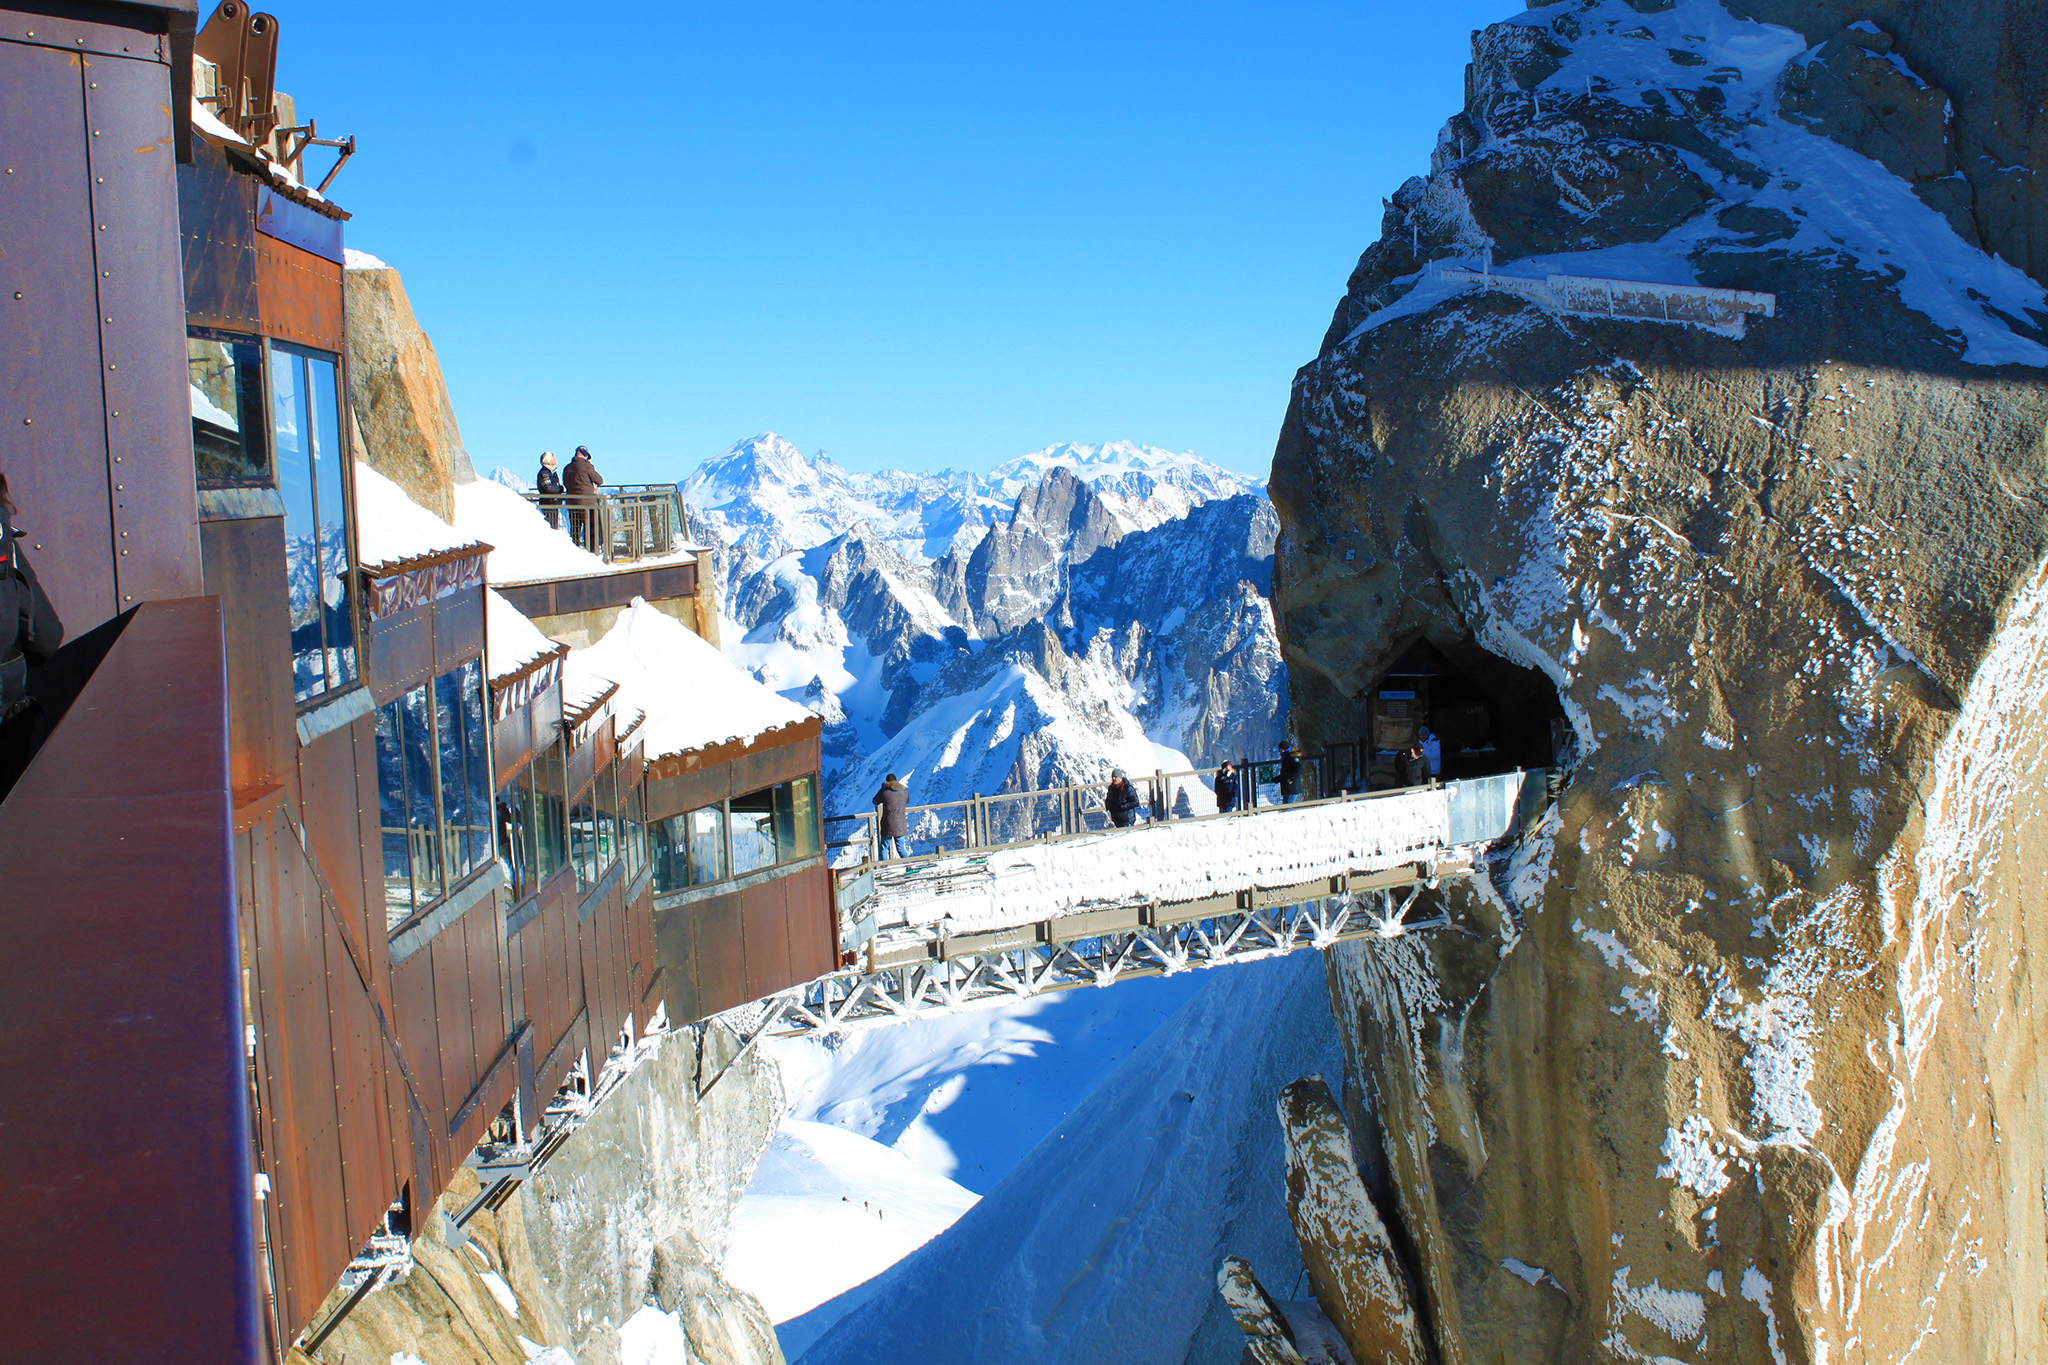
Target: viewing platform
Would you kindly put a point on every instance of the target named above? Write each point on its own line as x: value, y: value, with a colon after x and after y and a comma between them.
x: 596, y: 557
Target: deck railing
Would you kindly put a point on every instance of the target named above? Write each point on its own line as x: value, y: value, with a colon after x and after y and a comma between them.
x: 620, y: 523
x: 1482, y: 809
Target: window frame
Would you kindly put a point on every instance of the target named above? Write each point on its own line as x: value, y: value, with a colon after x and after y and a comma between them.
x: 276, y: 352
x: 450, y: 880
x: 262, y: 345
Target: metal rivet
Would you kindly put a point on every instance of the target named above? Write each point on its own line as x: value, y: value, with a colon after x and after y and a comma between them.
x: 117, y: 459
x: 99, y: 180
x: 39, y: 545
x: 103, y: 227
x: 113, y: 367
x: 28, y: 421
x: 124, y: 552
x: 110, y: 322
x: 117, y: 414
x: 17, y: 293
x: 120, y: 487
x: 125, y: 597
x: 124, y: 535
x: 90, y: 85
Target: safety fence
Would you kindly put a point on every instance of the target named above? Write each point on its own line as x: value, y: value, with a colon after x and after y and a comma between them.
x: 622, y: 523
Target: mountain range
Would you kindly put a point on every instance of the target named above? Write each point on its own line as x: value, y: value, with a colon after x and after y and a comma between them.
x: 1070, y: 611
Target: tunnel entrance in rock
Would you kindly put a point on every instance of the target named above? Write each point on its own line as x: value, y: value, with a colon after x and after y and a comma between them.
x: 1477, y: 713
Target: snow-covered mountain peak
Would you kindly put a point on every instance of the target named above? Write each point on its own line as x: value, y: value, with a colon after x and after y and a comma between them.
x: 1114, y: 461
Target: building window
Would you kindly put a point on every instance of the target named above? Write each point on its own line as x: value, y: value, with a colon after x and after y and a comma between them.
x: 749, y: 833
x: 753, y: 831
x: 305, y: 405
x: 633, y: 828
x: 230, y: 444
x: 433, y: 789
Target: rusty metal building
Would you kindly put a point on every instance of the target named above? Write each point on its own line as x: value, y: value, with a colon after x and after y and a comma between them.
x: 299, y: 897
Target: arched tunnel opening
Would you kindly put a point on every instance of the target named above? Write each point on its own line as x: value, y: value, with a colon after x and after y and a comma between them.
x: 1475, y: 713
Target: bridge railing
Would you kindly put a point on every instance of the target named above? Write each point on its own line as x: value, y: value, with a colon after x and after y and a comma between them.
x: 1482, y: 809
x: 620, y: 523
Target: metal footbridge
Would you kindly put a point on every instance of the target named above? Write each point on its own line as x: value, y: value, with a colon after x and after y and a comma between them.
x: 1016, y: 895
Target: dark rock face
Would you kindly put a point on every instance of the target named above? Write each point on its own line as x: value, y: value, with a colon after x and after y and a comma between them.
x: 1712, y: 1071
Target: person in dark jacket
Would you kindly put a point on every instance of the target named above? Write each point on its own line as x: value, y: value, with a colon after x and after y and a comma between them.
x: 1411, y: 766
x: 1290, y: 775
x: 580, y: 482
x: 1226, y: 788
x: 548, y: 484
x: 29, y: 634
x: 892, y: 823
x: 1120, y: 800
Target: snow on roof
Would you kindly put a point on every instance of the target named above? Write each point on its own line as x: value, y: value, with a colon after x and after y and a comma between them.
x: 694, y: 697
x: 360, y: 260
x: 512, y: 642
x: 391, y: 528
x: 524, y: 546
x: 203, y: 119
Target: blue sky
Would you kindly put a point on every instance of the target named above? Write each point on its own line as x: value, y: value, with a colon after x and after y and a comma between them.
x: 914, y: 235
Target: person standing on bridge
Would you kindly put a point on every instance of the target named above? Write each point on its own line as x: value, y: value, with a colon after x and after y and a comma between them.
x: 892, y: 818
x: 580, y: 481
x: 1226, y: 788
x: 1120, y: 801
x: 1411, y: 766
x: 1432, y: 750
x: 1290, y: 774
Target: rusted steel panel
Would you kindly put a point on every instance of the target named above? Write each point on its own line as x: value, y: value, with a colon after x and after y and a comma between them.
x: 765, y: 922
x: 401, y: 653
x: 330, y: 805
x: 813, y: 923
x: 52, y: 424
x: 676, y: 953
x: 148, y: 433
x: 245, y: 569
x: 721, y: 954
x: 140, y: 32
x: 363, y: 1153
x: 314, y: 1218
x: 596, y: 972
x: 459, y: 1069
x: 113, y: 1248
x: 458, y: 628
x: 483, y: 931
x: 679, y: 782
x: 512, y: 743
x: 216, y: 209
x: 298, y: 296
x: 412, y: 986
x: 640, y: 947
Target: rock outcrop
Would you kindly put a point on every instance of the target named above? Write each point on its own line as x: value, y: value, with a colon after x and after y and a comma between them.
x: 1736, y: 1059
x: 1353, y: 1267
x: 404, y: 423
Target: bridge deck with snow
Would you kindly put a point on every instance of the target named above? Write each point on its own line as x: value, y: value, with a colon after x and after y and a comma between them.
x: 952, y: 930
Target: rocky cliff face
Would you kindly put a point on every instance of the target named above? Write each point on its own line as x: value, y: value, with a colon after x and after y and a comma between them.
x: 1736, y: 1060
x: 404, y: 424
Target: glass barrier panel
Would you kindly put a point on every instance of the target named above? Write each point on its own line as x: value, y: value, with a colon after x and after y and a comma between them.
x: 605, y: 796
x: 330, y: 498
x: 544, y: 778
x: 515, y: 839
x: 458, y: 813
x: 583, y: 839
x: 422, y: 816
x: 633, y: 828
x: 785, y: 821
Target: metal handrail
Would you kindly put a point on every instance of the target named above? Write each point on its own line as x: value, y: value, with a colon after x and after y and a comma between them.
x: 975, y: 824
x: 620, y: 523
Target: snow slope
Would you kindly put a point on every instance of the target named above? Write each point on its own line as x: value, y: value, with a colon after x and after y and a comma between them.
x: 1102, y: 1244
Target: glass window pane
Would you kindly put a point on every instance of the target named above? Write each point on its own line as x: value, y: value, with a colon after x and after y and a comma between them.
x: 228, y: 443
x: 666, y: 846
x: 633, y: 829
x: 606, y: 797
x: 457, y: 814
x: 583, y: 833
x: 785, y: 822
x: 706, y: 836
x: 804, y: 793
x: 515, y: 838
x: 753, y: 831
x: 476, y: 760
x: 423, y: 819
x: 391, y: 806
x: 550, y: 824
x: 323, y: 427
x: 303, y: 578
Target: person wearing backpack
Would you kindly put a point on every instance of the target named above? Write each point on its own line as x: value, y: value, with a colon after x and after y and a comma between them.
x: 29, y: 634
